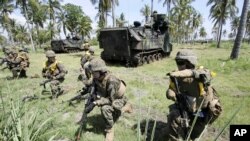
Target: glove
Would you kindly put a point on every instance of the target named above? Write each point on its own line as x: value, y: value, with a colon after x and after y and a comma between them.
x: 97, y: 102
x: 182, y: 73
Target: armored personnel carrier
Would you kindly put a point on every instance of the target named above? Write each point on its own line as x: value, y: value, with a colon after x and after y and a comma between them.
x: 68, y: 45
x: 136, y: 45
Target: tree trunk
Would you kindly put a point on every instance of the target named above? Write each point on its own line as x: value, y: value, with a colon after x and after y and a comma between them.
x: 113, y: 13
x: 30, y: 32
x: 240, y: 33
x: 219, y: 35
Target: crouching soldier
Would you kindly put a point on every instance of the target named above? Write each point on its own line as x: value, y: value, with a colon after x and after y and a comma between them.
x: 19, y: 64
x: 54, y: 72
x: 110, y: 95
x: 85, y: 73
x: 194, y: 97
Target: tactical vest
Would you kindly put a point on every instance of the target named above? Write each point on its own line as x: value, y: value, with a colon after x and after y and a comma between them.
x: 25, y: 59
x: 102, y: 87
x: 52, y: 68
x: 195, y: 91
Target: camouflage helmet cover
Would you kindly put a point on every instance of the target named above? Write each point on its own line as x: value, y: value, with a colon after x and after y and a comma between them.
x: 186, y: 55
x: 98, y: 64
x: 50, y: 53
x: 91, y: 50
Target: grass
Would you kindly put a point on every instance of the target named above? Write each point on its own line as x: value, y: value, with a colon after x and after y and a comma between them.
x: 146, y: 88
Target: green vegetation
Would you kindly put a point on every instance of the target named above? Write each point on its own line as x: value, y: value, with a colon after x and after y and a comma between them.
x: 45, y: 119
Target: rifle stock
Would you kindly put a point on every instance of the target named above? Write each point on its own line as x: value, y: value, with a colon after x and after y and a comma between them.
x: 89, y: 106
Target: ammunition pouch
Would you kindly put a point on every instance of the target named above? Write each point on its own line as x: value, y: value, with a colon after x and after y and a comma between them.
x: 122, y: 89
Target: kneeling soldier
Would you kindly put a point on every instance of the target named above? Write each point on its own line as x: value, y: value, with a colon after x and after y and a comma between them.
x: 110, y: 95
x: 55, y: 72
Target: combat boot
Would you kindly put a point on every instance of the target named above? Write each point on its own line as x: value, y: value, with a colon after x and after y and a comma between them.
x: 127, y: 108
x: 109, y: 134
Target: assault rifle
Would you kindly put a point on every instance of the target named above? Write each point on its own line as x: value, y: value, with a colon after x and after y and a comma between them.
x: 89, y: 106
x: 81, y: 95
x: 43, y: 83
x: 182, y: 106
x: 2, y: 61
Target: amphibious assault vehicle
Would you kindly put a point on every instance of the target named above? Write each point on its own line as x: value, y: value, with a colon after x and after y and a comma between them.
x: 68, y: 45
x: 136, y: 45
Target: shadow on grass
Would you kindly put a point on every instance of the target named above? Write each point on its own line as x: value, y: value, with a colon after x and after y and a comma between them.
x: 158, y: 127
x: 97, y: 124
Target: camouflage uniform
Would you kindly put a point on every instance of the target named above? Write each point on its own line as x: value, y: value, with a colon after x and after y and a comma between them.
x: 54, y: 71
x: 195, y: 85
x: 110, y: 91
x: 85, y: 73
x: 19, y: 64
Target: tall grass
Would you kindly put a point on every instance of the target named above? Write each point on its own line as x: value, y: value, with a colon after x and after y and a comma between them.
x: 146, y: 87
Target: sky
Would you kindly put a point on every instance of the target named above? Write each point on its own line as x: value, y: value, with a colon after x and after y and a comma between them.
x: 131, y: 10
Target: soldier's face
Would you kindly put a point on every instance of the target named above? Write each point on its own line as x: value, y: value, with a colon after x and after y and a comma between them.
x: 51, y: 59
x: 96, y: 75
x: 181, y: 64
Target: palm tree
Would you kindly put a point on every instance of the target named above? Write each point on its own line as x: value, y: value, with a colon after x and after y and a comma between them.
x: 194, y: 22
x: 61, y: 20
x: 203, y: 32
x: 53, y: 6
x: 224, y: 32
x: 114, y: 3
x: 220, y: 11
x: 168, y: 3
x: 240, y: 33
x: 145, y: 11
x: 84, y: 27
x: 38, y: 15
x: 235, y: 24
x: 103, y: 10
x: 6, y: 8
x: 121, y: 21
x: 24, y: 6
x: 180, y: 14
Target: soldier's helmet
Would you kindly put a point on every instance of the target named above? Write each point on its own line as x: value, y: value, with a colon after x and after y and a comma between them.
x: 97, y: 64
x: 14, y: 51
x: 50, y: 53
x: 91, y: 50
x: 186, y: 55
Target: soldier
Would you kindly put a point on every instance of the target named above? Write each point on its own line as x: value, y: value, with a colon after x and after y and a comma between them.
x: 85, y: 74
x: 190, y: 87
x: 18, y: 64
x: 55, y: 72
x: 110, y: 95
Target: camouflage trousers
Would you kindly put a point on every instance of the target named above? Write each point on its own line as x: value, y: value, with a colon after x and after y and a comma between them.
x: 18, y: 72
x: 111, y: 113
x: 55, y: 87
x: 174, y: 130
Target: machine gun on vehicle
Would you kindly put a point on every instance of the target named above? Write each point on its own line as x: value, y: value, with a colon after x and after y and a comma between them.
x: 89, y: 106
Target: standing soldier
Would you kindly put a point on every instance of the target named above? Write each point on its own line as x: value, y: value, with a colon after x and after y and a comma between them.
x: 190, y: 88
x: 110, y: 95
x: 55, y: 72
x: 18, y: 64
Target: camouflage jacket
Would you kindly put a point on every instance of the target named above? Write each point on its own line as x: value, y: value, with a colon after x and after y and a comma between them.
x: 22, y: 60
x: 55, y: 69
x: 107, y: 89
